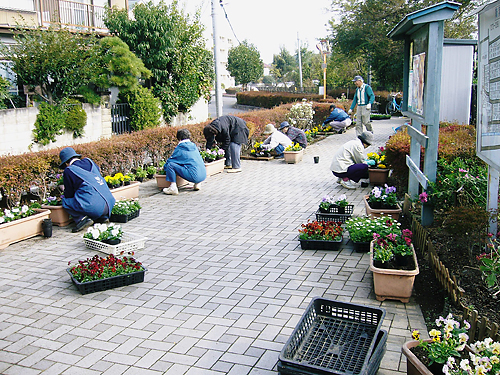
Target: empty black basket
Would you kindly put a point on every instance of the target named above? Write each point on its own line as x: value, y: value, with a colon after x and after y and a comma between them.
x: 335, y: 213
x: 333, y: 337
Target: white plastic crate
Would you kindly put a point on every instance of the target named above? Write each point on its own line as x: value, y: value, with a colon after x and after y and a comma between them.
x: 130, y: 242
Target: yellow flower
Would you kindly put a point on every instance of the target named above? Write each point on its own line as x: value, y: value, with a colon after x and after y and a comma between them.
x: 118, y: 176
x: 382, y: 166
x: 252, y: 151
x: 434, y: 333
x: 416, y: 335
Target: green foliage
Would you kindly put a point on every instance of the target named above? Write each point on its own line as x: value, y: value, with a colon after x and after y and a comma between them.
x: 57, y: 60
x: 4, y: 92
x: 75, y: 117
x: 145, y: 109
x: 244, y: 63
x: 49, y: 123
x: 119, y: 66
x: 171, y: 45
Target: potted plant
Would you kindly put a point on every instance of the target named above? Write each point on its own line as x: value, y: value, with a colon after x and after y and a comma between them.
x: 151, y: 171
x: 161, y: 178
x: 382, y: 200
x: 96, y: 274
x: 108, y: 233
x: 140, y: 174
x: 119, y: 189
x: 484, y: 358
x: 21, y: 222
x: 58, y: 214
x: 320, y: 235
x: 377, y: 169
x: 125, y: 210
x: 258, y: 152
x: 214, y: 160
x: 293, y: 153
x: 447, y: 340
x: 390, y: 279
x: 362, y: 228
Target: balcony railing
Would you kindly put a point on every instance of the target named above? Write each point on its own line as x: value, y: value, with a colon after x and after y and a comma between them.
x: 73, y: 15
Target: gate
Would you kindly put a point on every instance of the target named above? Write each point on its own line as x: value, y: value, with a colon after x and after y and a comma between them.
x: 120, y: 121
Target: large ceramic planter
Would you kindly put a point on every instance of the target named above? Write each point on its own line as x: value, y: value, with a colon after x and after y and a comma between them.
x: 372, y: 212
x: 58, y: 215
x: 292, y: 157
x: 393, y: 284
x: 109, y: 283
x: 21, y: 229
x: 162, y: 183
x: 378, y: 176
x: 215, y: 167
x: 127, y: 192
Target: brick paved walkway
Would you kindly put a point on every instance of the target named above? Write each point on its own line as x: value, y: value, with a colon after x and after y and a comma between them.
x: 226, y: 284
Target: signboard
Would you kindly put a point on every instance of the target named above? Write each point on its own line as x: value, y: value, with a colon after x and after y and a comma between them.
x: 488, y: 122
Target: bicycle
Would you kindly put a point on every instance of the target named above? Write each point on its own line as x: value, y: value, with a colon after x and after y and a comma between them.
x: 393, y: 107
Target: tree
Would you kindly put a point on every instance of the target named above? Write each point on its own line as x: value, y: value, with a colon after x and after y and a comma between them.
x: 244, y: 63
x: 363, y: 28
x: 56, y: 60
x: 171, y: 45
x: 283, y: 65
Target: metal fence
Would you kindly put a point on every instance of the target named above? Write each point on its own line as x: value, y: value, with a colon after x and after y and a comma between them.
x: 120, y: 121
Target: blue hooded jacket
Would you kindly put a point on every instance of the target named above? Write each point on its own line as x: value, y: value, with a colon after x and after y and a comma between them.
x: 187, y: 155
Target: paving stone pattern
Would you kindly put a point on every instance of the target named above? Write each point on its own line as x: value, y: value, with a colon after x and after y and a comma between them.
x: 226, y: 284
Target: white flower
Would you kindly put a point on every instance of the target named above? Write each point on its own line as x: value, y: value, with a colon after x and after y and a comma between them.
x: 95, y: 233
x: 115, y: 232
x: 24, y: 209
x: 15, y: 210
x: 2, y: 220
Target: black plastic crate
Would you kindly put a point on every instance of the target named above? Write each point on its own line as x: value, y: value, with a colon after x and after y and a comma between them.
x: 109, y: 283
x: 333, y: 337
x: 347, y: 210
x: 372, y: 368
x: 124, y: 218
x: 320, y: 244
x: 339, y: 218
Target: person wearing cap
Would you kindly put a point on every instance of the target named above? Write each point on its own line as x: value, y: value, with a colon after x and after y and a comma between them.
x: 87, y: 197
x: 296, y: 135
x: 363, y: 98
x: 185, y: 162
x: 349, y: 161
x: 231, y: 132
x: 276, y: 141
x: 338, y: 119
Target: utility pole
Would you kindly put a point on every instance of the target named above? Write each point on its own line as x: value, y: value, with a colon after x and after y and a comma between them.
x: 218, y: 90
x: 300, y: 64
x: 324, y: 48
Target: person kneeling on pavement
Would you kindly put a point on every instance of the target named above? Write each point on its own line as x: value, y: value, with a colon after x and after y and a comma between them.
x: 185, y: 162
x: 296, y: 135
x: 277, y: 141
x: 338, y: 119
x: 349, y: 161
x: 87, y: 197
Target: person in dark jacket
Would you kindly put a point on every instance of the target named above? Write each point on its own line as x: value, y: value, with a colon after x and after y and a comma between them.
x: 185, y: 162
x: 230, y: 132
x: 338, y: 119
x: 87, y: 197
x: 295, y: 134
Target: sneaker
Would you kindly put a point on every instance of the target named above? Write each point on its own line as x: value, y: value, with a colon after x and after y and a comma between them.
x: 339, y: 180
x: 365, y: 184
x: 196, y: 187
x: 170, y: 191
x: 228, y: 167
x: 348, y: 185
x: 279, y: 157
x: 235, y: 170
x: 83, y: 224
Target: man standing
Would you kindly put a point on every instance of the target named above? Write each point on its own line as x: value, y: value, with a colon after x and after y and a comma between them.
x: 338, y: 119
x: 364, y: 98
x: 296, y: 135
x: 231, y: 132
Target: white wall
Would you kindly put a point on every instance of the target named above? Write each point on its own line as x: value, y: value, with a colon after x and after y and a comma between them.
x: 17, y: 125
x: 197, y: 113
x: 456, y: 82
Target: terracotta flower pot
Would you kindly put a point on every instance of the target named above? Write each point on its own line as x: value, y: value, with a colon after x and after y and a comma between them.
x: 292, y: 157
x: 393, y: 283
x: 58, y: 215
x: 394, y: 213
x: 378, y: 176
x: 215, y: 167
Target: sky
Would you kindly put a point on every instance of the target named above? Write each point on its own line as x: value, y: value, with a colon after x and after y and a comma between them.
x: 268, y: 24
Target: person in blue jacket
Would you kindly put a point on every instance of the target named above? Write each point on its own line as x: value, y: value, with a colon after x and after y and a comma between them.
x: 338, y: 119
x: 186, y: 162
x: 363, y: 98
x: 87, y: 197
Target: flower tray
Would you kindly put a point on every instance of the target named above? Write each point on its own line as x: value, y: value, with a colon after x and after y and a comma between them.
x: 361, y: 247
x: 335, y: 337
x: 109, y: 283
x: 319, y: 244
x: 124, y: 218
x: 130, y: 242
x: 339, y: 218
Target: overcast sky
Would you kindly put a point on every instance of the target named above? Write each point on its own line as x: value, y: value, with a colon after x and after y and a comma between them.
x: 268, y: 24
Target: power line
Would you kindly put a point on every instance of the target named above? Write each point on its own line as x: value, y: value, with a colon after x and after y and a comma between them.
x: 229, y: 22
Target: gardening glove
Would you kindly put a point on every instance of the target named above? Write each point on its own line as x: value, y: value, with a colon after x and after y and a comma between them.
x: 370, y: 162
x: 369, y: 106
x: 349, y: 112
